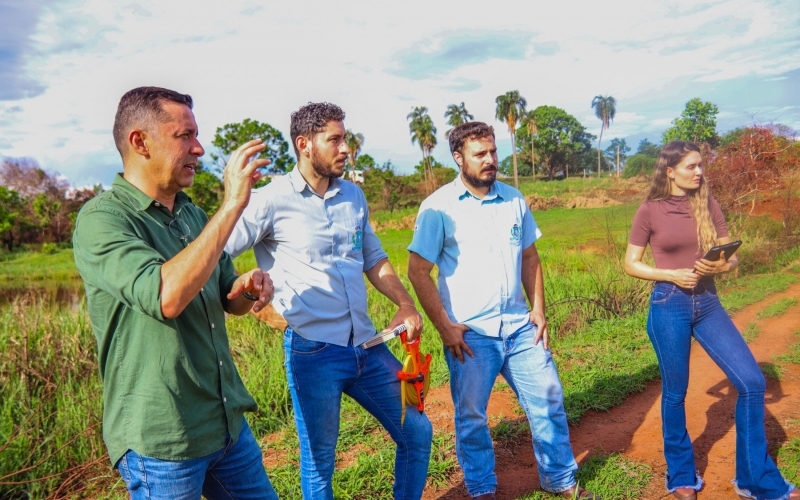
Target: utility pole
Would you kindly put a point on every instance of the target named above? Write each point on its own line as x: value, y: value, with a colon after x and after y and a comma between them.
x: 617, y: 160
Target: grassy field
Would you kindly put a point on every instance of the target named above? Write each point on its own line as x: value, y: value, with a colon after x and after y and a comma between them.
x: 50, y: 403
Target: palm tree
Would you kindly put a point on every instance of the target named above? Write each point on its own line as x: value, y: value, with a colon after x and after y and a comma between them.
x: 604, y: 108
x: 456, y: 115
x: 423, y: 132
x: 532, y: 130
x: 510, y: 108
x: 354, y: 142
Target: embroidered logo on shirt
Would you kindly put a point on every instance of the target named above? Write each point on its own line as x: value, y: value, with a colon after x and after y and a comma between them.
x: 516, y: 233
x: 358, y: 239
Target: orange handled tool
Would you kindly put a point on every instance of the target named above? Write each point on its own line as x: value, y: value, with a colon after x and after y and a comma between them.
x: 414, y: 380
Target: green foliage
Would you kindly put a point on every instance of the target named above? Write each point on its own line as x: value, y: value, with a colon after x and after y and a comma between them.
x: 232, y: 135
x: 354, y: 142
x: 772, y: 371
x: 423, y: 133
x: 789, y: 460
x: 510, y: 109
x: 605, y: 108
x: 50, y: 401
x: 751, y: 332
x: 49, y: 248
x: 22, y: 268
x: 560, y: 139
x: 647, y: 148
x: 777, y: 309
x: 385, y: 190
x: 638, y: 164
x: 10, y: 208
x: 206, y: 192
x: 611, y: 477
x: 524, y: 169
x: 366, y: 162
x: 456, y: 114
x: 611, y: 151
x: 697, y: 123
x: 740, y: 293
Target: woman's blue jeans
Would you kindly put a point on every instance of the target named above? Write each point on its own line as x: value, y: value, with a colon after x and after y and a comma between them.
x: 530, y: 371
x: 318, y: 374
x: 677, y: 315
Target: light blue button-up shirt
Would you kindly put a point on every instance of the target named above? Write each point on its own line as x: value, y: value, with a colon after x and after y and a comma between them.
x: 316, y: 249
x: 477, y: 245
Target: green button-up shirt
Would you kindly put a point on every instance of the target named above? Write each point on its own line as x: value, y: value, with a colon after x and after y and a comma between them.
x: 170, y: 386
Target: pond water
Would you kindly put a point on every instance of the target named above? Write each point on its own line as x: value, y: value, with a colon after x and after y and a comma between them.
x: 67, y: 294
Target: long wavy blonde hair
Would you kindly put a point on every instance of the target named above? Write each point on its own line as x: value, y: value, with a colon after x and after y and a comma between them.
x: 671, y: 155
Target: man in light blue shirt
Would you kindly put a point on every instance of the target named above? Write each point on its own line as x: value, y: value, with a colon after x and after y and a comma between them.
x: 481, y: 233
x: 310, y: 230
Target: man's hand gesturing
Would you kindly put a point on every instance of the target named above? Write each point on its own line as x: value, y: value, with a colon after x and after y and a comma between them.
x: 241, y: 176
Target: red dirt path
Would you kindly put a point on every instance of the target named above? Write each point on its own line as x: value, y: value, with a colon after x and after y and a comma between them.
x: 634, y: 428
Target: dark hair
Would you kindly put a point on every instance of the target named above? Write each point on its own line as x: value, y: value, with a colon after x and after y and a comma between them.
x: 469, y: 131
x: 312, y: 119
x: 140, y: 107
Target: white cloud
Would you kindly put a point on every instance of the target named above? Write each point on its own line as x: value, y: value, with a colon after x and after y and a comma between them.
x: 243, y: 59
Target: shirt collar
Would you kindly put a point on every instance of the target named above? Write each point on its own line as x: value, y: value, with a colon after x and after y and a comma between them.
x: 299, y: 184
x: 462, y: 191
x: 141, y: 201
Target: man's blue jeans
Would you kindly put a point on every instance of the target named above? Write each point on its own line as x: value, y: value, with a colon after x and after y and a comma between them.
x: 318, y: 374
x: 677, y: 315
x: 530, y: 371
x: 234, y: 472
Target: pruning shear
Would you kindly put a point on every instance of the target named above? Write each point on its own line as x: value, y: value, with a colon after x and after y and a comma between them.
x: 414, y: 380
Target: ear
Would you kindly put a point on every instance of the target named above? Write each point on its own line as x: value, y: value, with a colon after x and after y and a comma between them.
x: 670, y: 173
x: 138, y: 142
x: 303, y: 145
x: 458, y: 158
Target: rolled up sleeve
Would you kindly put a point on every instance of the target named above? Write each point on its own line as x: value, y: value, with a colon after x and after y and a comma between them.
x: 113, y: 256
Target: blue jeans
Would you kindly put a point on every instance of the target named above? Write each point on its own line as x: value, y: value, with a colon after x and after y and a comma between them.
x: 234, y: 472
x: 318, y: 374
x: 530, y: 371
x: 677, y: 315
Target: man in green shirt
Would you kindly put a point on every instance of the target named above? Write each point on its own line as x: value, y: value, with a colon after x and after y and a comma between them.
x: 158, y: 284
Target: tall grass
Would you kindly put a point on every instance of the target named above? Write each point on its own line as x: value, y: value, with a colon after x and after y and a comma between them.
x: 50, y: 415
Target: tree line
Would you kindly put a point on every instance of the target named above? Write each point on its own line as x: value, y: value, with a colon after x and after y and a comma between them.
x: 40, y: 207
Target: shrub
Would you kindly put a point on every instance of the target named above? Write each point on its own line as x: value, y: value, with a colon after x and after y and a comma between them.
x: 49, y: 248
x: 638, y: 164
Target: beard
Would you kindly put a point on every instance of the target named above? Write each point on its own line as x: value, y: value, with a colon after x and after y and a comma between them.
x: 322, y: 168
x: 476, y: 181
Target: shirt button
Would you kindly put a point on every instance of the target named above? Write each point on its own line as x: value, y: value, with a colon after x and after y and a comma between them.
x: 220, y: 363
x: 203, y: 289
x: 224, y: 400
x: 158, y: 204
x: 212, y: 325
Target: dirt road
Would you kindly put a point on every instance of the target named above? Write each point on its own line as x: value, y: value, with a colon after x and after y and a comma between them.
x: 634, y: 428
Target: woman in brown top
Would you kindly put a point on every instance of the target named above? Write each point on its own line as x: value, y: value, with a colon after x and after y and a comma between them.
x: 681, y: 221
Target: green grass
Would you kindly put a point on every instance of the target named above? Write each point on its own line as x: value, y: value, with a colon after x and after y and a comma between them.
x: 777, y: 309
x: 789, y: 460
x: 564, y: 188
x: 596, y: 317
x: 751, y: 332
x: 772, y: 371
x: 612, y: 477
x: 24, y: 267
x: 736, y: 294
x: 793, y: 356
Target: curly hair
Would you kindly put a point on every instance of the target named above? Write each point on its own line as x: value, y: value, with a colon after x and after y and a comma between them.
x: 469, y: 131
x: 312, y: 119
x: 141, y: 107
x: 660, y: 189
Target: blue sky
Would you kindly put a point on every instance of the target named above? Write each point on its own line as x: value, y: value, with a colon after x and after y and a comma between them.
x: 65, y: 63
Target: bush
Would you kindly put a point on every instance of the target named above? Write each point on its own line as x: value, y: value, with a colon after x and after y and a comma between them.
x: 638, y: 164
x: 49, y: 248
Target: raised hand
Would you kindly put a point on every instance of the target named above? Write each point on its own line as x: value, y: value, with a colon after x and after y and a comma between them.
x: 240, y: 176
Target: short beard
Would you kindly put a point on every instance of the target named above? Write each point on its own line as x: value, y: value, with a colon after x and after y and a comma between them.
x: 323, y: 169
x: 477, y: 181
